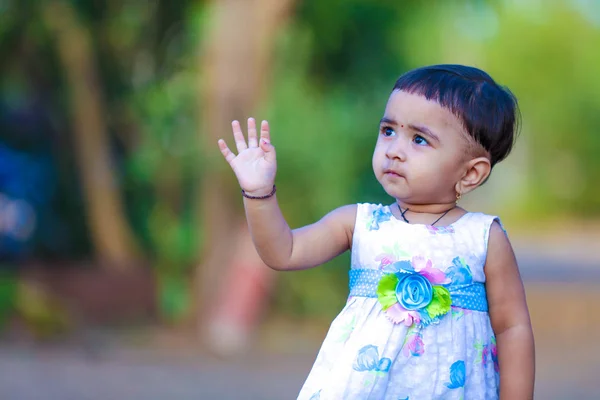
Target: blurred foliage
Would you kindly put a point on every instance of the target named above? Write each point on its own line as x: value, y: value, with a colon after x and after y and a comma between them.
x: 8, y: 296
x: 44, y: 315
x: 335, y: 65
x: 547, y: 55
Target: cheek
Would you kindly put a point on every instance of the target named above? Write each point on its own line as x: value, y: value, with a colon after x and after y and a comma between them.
x: 449, y: 169
x: 437, y: 168
x: 375, y: 163
x: 378, y: 156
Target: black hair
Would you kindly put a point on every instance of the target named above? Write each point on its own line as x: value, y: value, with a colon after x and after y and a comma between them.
x: 488, y: 111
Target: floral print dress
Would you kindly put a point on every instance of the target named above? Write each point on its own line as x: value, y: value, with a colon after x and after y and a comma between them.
x: 415, y: 325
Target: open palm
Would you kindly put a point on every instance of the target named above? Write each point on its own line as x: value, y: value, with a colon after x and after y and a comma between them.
x: 255, y: 165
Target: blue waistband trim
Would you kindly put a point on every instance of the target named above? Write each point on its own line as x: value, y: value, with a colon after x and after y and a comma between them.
x: 363, y: 283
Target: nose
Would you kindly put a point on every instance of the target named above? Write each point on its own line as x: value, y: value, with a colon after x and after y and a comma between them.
x: 397, y: 149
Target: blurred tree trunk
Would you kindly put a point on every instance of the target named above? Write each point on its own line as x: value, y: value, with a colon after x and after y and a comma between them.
x: 111, y: 235
x: 235, y: 67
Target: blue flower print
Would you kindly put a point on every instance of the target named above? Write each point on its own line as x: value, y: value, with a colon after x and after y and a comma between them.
x: 316, y: 396
x: 379, y: 215
x: 457, y: 375
x: 384, y: 365
x: 398, y: 266
x: 368, y: 360
x: 459, y: 272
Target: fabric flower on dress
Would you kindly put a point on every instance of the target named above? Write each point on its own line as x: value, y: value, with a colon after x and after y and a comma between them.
x: 413, y: 293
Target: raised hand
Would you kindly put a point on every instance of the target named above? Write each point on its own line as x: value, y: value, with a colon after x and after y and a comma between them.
x: 255, y: 165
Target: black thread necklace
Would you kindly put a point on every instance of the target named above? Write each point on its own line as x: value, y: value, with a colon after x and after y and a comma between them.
x: 402, y: 212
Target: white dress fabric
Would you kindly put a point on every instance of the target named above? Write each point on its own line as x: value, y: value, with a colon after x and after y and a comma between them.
x: 367, y: 356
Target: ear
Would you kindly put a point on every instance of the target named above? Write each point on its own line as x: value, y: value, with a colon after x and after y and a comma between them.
x: 477, y: 171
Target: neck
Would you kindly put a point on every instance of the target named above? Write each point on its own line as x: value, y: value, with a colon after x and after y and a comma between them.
x: 437, y: 208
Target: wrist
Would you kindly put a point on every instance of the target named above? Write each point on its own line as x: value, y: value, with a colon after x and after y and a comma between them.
x: 263, y: 193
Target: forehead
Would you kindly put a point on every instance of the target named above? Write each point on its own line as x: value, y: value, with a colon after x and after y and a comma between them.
x: 414, y: 109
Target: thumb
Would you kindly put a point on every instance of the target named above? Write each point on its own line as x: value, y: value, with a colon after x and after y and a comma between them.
x: 269, y: 150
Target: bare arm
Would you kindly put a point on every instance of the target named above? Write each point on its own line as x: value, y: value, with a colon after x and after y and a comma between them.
x: 279, y: 247
x: 510, y: 319
x: 284, y: 249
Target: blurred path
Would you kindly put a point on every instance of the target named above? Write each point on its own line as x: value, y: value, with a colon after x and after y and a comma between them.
x: 572, y: 258
x: 563, y: 290
x: 71, y: 374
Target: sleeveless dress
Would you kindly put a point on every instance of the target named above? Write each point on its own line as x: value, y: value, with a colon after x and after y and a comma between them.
x: 415, y: 325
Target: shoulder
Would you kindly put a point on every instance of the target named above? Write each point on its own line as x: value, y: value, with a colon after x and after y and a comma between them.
x: 479, y: 216
x: 500, y: 256
x: 344, y: 216
x: 347, y: 211
x: 498, y: 242
x: 349, y: 214
x: 369, y: 208
x: 483, y: 223
x: 484, y: 232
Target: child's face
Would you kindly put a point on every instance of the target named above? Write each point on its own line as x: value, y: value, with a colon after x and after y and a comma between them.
x: 421, y: 150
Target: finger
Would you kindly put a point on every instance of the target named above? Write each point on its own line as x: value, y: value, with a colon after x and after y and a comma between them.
x: 269, y: 150
x: 238, y: 136
x: 265, y: 135
x: 252, y: 141
x: 265, y: 142
x: 228, y: 154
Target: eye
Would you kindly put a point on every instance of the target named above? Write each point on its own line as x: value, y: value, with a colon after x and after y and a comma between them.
x: 420, y: 140
x: 387, y: 131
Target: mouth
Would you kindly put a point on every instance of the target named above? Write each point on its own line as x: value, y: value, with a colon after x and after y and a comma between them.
x: 391, y: 173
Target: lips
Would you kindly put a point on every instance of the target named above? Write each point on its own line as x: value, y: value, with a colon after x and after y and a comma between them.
x: 391, y: 172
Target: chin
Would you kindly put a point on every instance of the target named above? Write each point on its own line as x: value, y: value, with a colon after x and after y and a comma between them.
x: 390, y: 189
x: 395, y: 193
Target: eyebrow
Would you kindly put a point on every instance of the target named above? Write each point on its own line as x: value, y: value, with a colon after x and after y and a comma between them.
x: 419, y: 128
x: 424, y: 130
x: 386, y: 120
